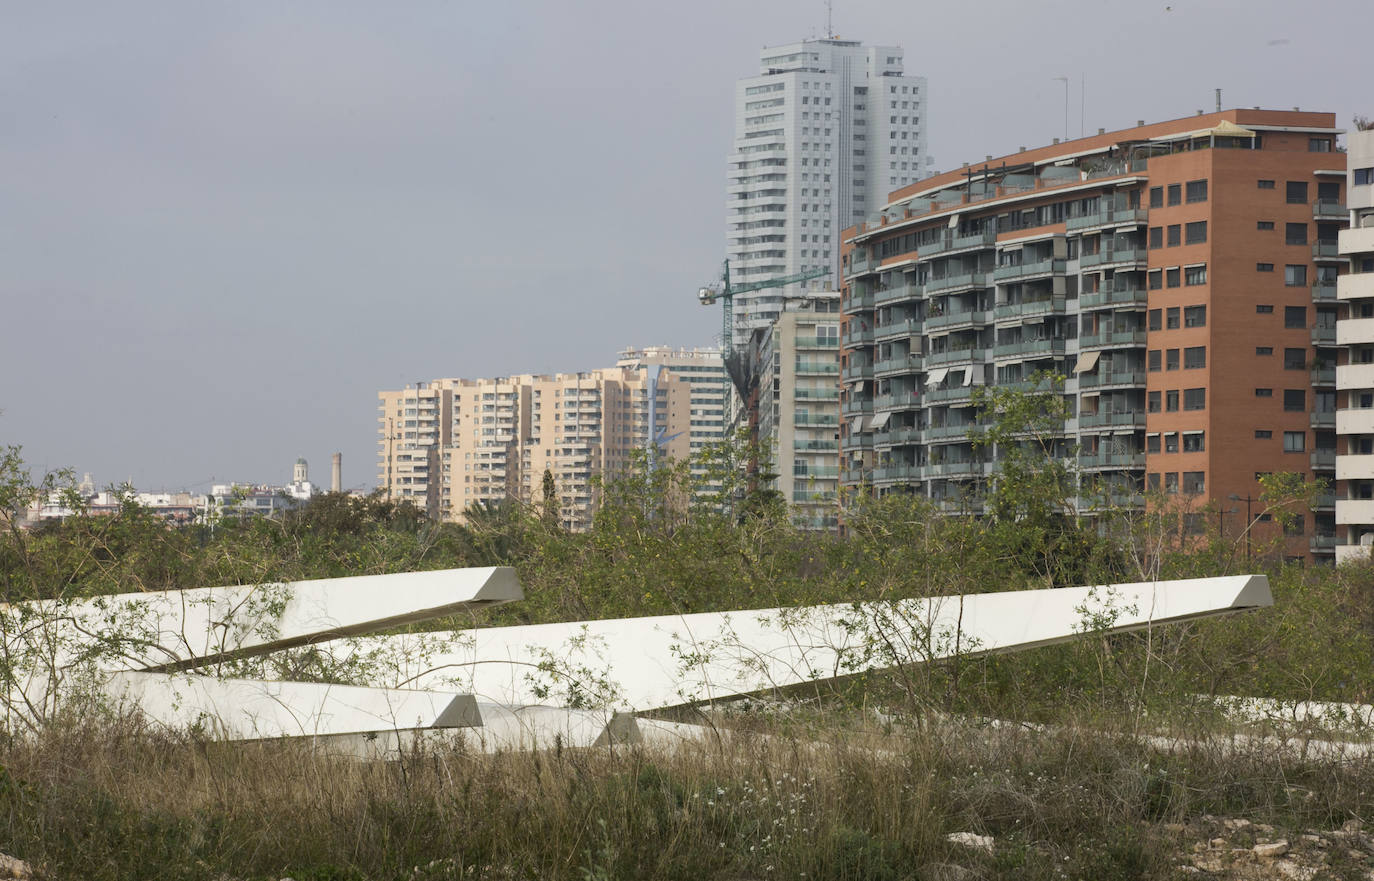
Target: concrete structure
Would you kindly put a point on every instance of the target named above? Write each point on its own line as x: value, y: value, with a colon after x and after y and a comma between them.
x: 450, y: 444
x: 822, y: 133
x: 1181, y: 274
x: 1355, y: 359
x: 336, y: 473
x: 798, y: 363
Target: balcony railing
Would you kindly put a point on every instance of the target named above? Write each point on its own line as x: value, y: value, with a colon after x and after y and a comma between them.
x: 896, y: 293
x: 899, y: 328
x: 1112, y: 460
x: 950, y: 320
x: 1120, y: 377
x: 1030, y: 308
x: 1325, y: 251
x: 956, y: 282
x: 955, y: 356
x: 1113, y: 338
x: 897, y: 472
x: 1029, y: 348
x: 1324, y: 292
x: 1099, y: 299
x: 858, y: 301
x: 1324, y: 460
x: 1108, y: 256
x: 858, y: 338
x: 1109, y: 217
x: 1324, y: 335
x: 857, y: 371
x: 1131, y: 418
x: 1327, y: 209
x: 1024, y: 270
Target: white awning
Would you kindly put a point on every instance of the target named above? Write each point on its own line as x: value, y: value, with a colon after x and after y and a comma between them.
x: 1086, y: 361
x: 880, y: 420
x: 857, y: 425
x: 936, y: 376
x: 968, y: 376
x: 954, y: 221
x: 978, y: 377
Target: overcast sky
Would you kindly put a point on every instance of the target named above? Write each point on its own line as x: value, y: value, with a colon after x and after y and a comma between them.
x: 224, y: 227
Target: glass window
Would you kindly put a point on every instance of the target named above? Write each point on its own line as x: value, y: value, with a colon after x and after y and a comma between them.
x: 1171, y: 277
x: 1175, y: 194
x: 1194, y: 441
x: 1264, y: 350
x: 1264, y: 225
x: 1171, y: 482
x: 1156, y: 279
x: 1171, y: 359
x: 1175, y: 231
x: 1263, y: 309
x: 1265, y: 184
x: 1264, y: 393
x: 1155, y: 320
x: 1195, y: 399
x: 1156, y: 197
x: 1194, y: 483
x: 1156, y: 237
x: 1263, y: 434
x: 1196, y: 233
x: 1264, y: 267
x: 1295, y: 316
x: 1295, y: 233
x: 1152, y: 443
x: 1195, y: 316
x: 1297, y: 192
x: 1294, y: 441
x: 1294, y: 400
x: 1195, y: 275
x: 1171, y: 442
x: 1294, y: 359
x: 1171, y: 401
x: 1194, y: 357
x: 1295, y: 275
x: 1153, y: 359
x: 1172, y: 317
x: 1197, y: 191
x: 1152, y: 402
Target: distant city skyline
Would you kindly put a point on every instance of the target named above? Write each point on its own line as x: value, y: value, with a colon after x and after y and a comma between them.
x: 209, y: 213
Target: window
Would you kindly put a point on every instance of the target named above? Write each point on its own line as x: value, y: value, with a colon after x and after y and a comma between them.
x: 1152, y: 445
x: 1153, y: 358
x: 1263, y: 309
x: 1294, y: 400
x: 1174, y: 232
x: 1295, y: 233
x: 1295, y: 276
x: 1152, y: 403
x: 1171, y: 277
x: 1194, y: 524
x: 1195, y: 399
x: 1171, y: 359
x: 1155, y: 320
x: 1294, y: 441
x: 1263, y: 434
x: 1172, y: 318
x: 1171, y: 401
x: 1195, y: 316
x: 1363, y: 176
x: 1175, y: 194
x: 1196, y: 233
x: 1194, y: 441
x: 1264, y: 267
x: 1194, y: 483
x: 1171, y: 482
x: 1295, y: 316
x: 1264, y: 350
x: 1197, y: 191
x: 1194, y: 357
x: 1195, y: 275
x: 1264, y: 225
x: 1156, y: 237
x: 1264, y: 393
x: 1156, y: 197
x: 1319, y: 145
x: 1156, y: 279
x: 1265, y: 184
x: 1171, y: 442
x: 1294, y: 359
x: 1297, y: 192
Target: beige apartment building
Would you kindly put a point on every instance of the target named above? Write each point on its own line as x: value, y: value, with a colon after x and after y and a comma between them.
x: 450, y: 444
x: 798, y: 364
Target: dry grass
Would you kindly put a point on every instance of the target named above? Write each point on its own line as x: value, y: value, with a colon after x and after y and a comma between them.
x: 835, y: 800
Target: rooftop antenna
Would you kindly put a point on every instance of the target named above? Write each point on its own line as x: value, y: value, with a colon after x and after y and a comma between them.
x: 829, y: 19
x: 1218, y: 100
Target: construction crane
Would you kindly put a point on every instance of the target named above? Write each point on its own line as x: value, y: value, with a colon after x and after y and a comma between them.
x: 727, y: 291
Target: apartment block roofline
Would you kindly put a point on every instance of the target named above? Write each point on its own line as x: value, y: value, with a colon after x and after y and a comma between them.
x: 1271, y: 120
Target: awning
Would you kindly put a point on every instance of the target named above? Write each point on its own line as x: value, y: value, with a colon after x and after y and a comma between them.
x: 857, y: 425
x: 968, y: 376
x: 954, y: 221
x: 936, y: 376
x: 978, y: 377
x: 1086, y: 361
x: 1223, y: 129
x: 880, y: 420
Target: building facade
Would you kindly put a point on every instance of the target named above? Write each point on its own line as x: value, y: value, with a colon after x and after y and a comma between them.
x: 1355, y: 360
x: 798, y: 364
x: 824, y: 131
x: 1182, y: 275
x: 452, y: 444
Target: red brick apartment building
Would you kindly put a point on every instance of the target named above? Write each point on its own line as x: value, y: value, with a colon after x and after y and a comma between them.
x: 1181, y: 274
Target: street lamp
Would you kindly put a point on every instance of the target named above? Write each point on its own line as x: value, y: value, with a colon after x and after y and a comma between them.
x: 1249, y: 520
x: 1221, y: 522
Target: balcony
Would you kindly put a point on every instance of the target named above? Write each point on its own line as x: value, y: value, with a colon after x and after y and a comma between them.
x: 1324, y: 460
x: 860, y: 263
x: 1105, y: 298
x: 896, y: 401
x: 1028, y: 270
x: 816, y: 394
x: 858, y: 371
x: 897, y: 437
x: 818, y: 472
x: 1324, y: 292
x: 1327, y: 209
x: 956, y: 356
x: 1323, y: 420
x: 817, y: 342
x: 1112, y: 338
x: 816, y: 446
x: 1128, y: 419
x: 1324, y: 335
x: 897, y: 364
x: 955, y: 469
x: 1354, y: 467
x: 1040, y: 348
x: 948, y: 395
x: 1325, y: 501
x: 1326, y: 251
x: 819, y: 496
x: 1323, y: 543
x: 1108, y: 217
x: 889, y: 473
x: 861, y: 441
x: 854, y: 338
x: 968, y: 280
x: 815, y: 420
x: 896, y: 293
x: 950, y: 432
x: 955, y: 320
x: 1102, y: 461
x: 1355, y: 421
x: 909, y: 327
x: 1113, y: 256
x: 1100, y: 379
x: 861, y: 301
x: 1355, y: 376
x: 1356, y: 512
x: 1324, y: 377
x: 856, y: 406
x: 1355, y: 332
x: 1355, y: 285
x: 1030, y: 308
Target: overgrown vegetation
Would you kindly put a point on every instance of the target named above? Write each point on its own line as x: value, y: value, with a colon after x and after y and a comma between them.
x: 1075, y: 793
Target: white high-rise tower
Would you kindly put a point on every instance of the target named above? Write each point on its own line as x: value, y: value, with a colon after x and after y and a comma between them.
x: 825, y: 131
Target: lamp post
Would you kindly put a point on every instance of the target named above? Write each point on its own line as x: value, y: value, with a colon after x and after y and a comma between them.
x: 1065, y: 81
x: 1221, y: 521
x: 1249, y: 520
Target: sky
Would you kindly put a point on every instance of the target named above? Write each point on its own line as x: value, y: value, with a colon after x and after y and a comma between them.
x: 225, y: 226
